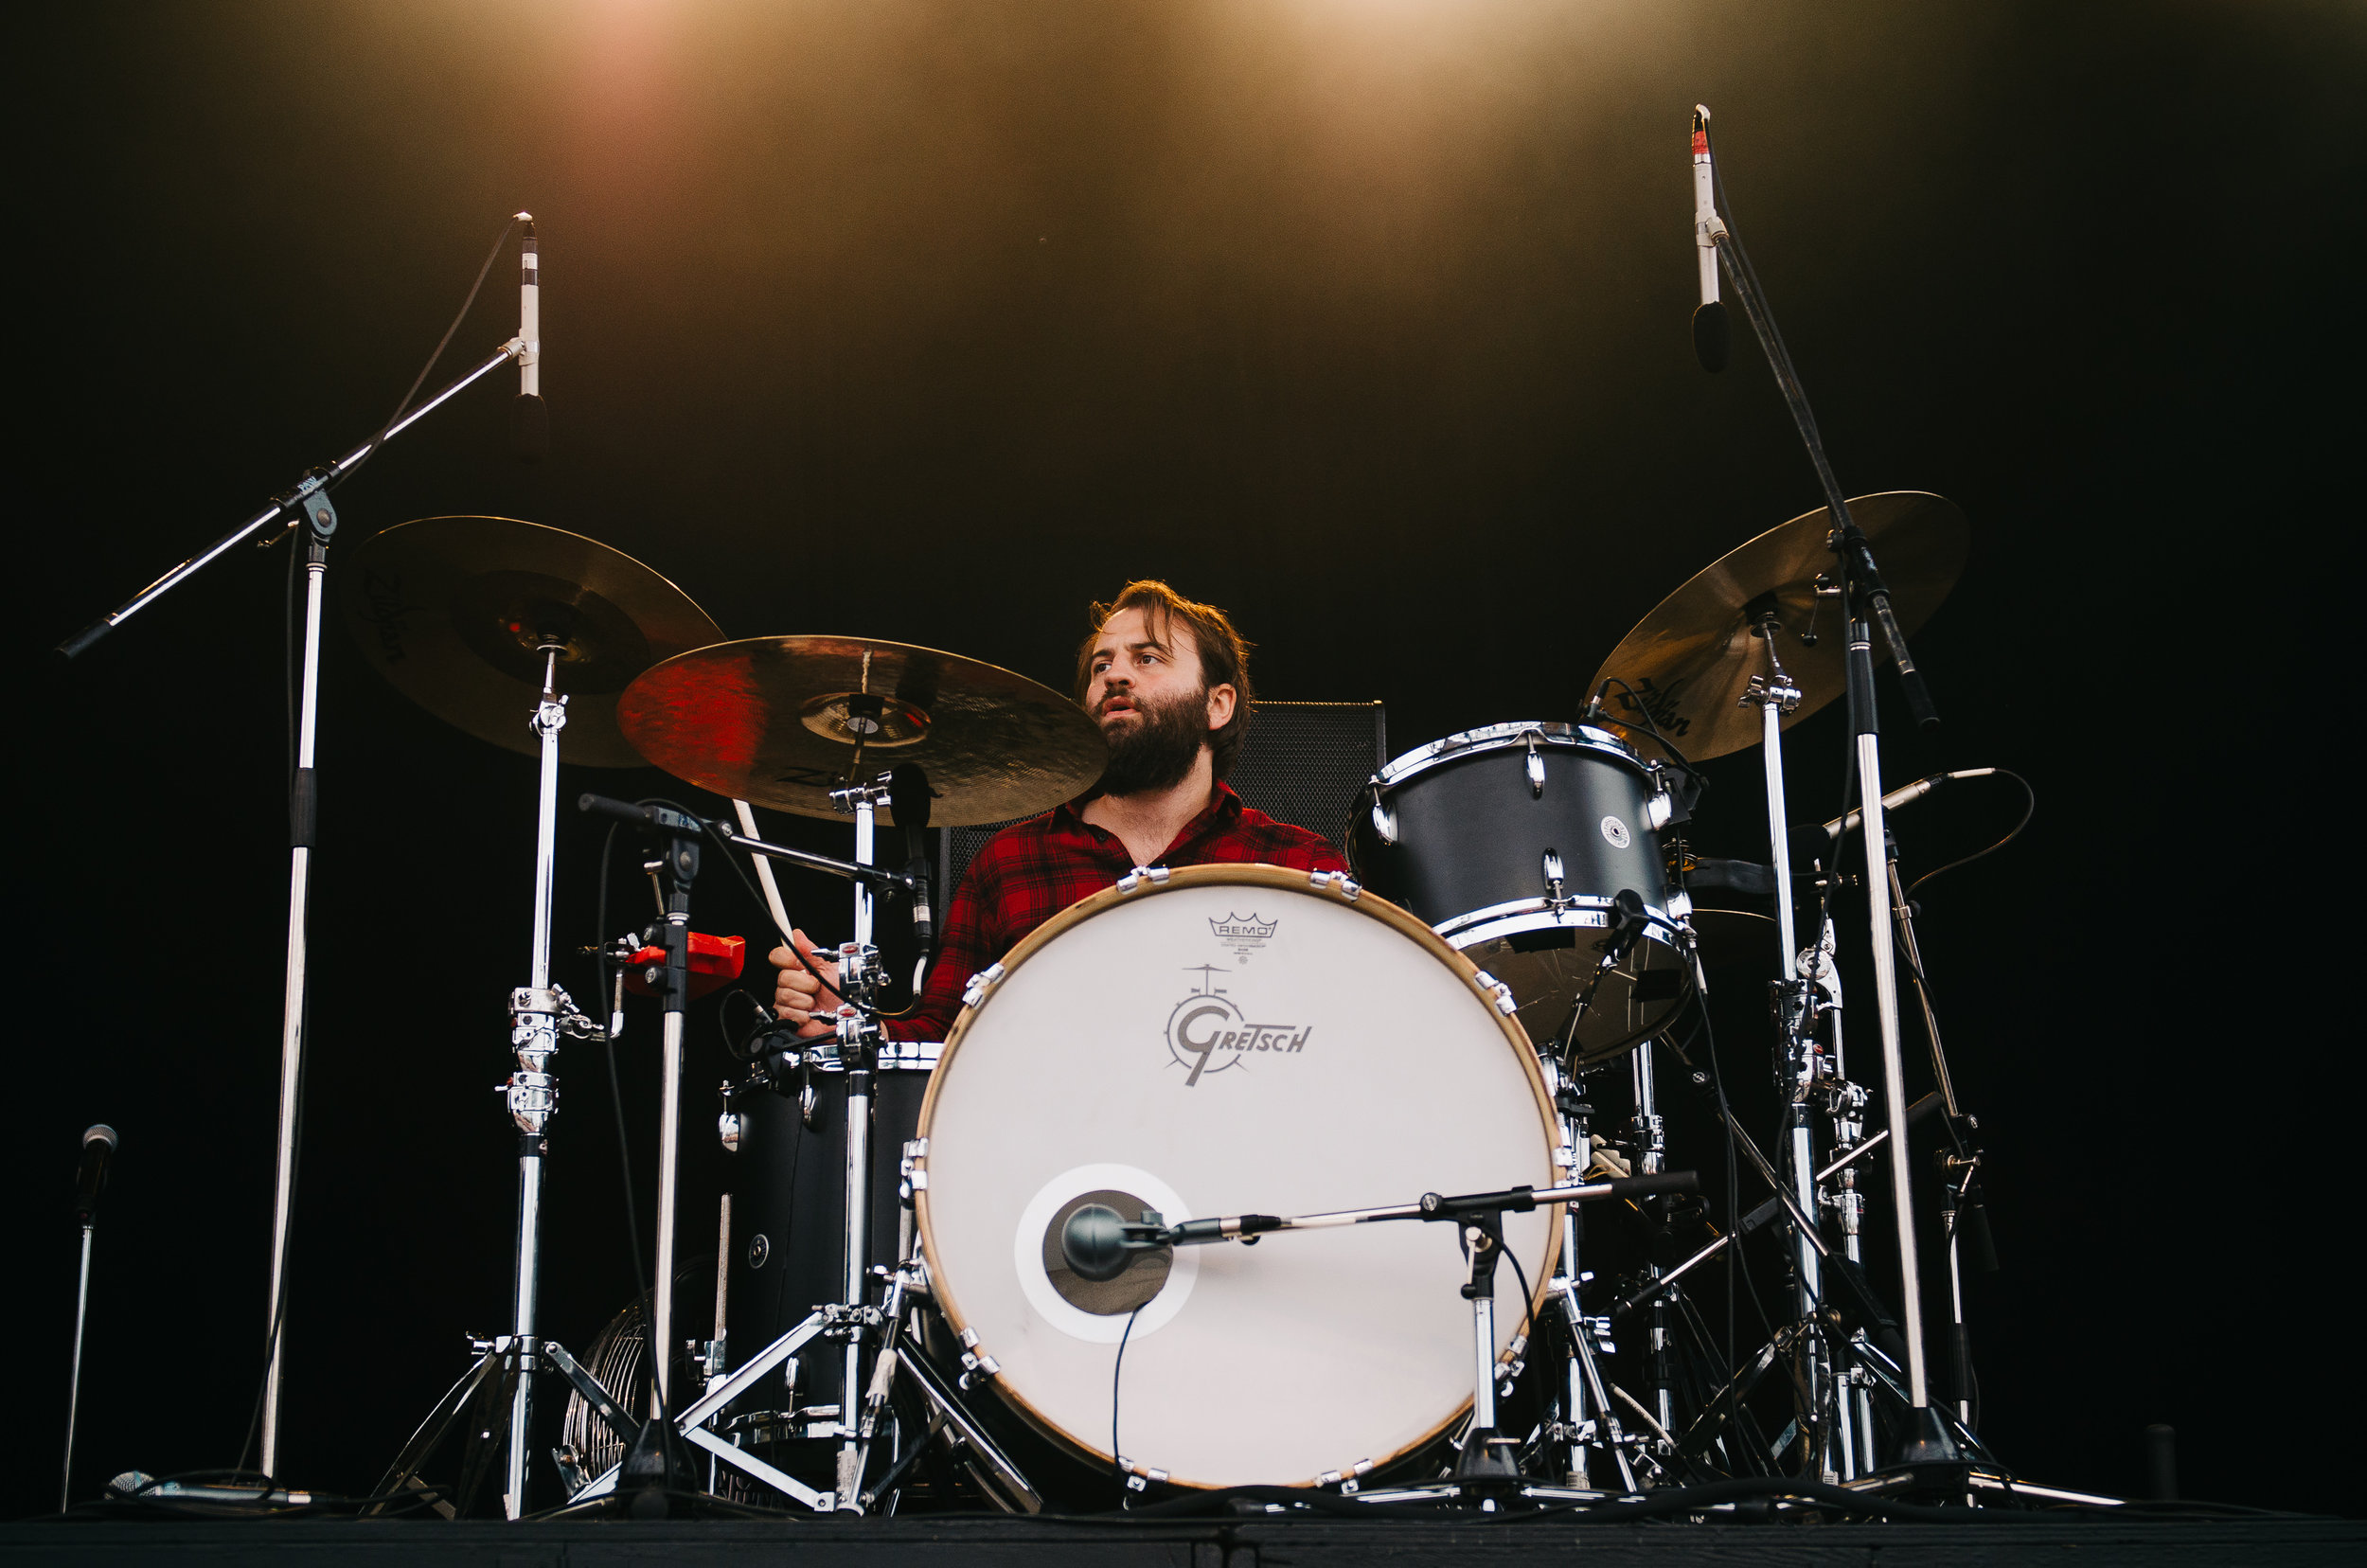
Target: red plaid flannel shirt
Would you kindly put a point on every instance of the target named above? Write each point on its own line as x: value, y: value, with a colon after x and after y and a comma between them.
x: 1032, y: 870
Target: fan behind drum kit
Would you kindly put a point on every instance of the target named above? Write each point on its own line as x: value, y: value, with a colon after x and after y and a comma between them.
x: 1532, y: 934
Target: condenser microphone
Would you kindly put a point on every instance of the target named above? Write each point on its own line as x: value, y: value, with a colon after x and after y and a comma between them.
x: 1711, y: 334
x: 1900, y: 796
x: 530, y: 417
x: 98, y: 1145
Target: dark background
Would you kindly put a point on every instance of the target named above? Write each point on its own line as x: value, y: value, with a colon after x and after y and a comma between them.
x: 1366, y: 321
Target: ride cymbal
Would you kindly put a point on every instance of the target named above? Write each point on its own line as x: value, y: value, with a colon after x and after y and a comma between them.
x: 783, y: 720
x: 1690, y: 661
x: 451, y: 610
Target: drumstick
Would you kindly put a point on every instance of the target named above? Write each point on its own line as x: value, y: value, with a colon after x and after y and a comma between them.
x: 764, y: 873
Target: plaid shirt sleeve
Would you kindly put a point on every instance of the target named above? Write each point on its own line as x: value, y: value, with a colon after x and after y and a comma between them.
x: 1032, y: 870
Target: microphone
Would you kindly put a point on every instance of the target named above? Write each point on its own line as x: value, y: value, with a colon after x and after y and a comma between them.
x: 659, y: 818
x: 1627, y: 925
x: 1096, y: 1242
x: 1711, y: 334
x: 530, y: 415
x: 1905, y: 792
x: 98, y: 1144
x: 908, y: 798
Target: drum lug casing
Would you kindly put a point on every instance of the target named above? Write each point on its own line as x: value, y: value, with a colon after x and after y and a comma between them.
x: 975, y: 1359
x: 1495, y: 991
x: 1536, y: 769
x: 1336, y: 882
x: 1155, y: 875
x: 1384, y: 819
x: 982, y: 983
x: 1659, y: 808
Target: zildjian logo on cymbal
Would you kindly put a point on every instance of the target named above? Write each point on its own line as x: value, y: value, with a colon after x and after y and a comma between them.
x: 1207, y: 1033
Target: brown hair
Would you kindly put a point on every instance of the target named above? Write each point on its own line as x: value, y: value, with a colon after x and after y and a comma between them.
x: 1223, y: 656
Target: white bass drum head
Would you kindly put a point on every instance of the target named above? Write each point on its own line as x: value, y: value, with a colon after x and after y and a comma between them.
x: 1234, y: 1039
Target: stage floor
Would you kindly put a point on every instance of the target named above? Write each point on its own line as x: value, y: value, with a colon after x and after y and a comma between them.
x: 1248, y: 1543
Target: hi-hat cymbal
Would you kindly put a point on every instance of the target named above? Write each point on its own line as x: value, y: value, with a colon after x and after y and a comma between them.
x: 452, y: 608
x: 1690, y: 661
x: 776, y: 720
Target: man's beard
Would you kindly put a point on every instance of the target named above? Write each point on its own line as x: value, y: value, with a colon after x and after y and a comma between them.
x: 1158, y: 750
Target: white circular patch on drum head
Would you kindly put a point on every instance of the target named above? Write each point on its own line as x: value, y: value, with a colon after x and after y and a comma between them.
x: 1027, y: 1246
x: 1616, y: 832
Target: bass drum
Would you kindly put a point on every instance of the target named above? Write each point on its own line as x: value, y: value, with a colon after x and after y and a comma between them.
x: 1221, y: 1040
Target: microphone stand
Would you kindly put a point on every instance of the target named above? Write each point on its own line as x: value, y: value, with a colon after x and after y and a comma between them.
x: 306, y: 506
x: 73, y: 1384
x: 1867, y: 598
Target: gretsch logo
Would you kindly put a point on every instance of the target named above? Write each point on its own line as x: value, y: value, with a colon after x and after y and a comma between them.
x: 1208, y: 1033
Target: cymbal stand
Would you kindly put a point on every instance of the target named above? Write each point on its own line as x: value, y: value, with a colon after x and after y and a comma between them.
x: 1866, y: 601
x: 1804, y: 1070
x: 859, y: 1056
x: 540, y: 1013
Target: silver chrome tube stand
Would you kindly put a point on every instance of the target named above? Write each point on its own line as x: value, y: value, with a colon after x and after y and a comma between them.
x: 1869, y: 758
x: 73, y: 1384
x: 532, y: 1092
x: 320, y: 524
x: 1651, y: 1154
x: 858, y: 964
x: 669, y: 1195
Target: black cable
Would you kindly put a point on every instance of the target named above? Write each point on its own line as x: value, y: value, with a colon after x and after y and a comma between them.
x: 2030, y: 807
x: 1117, y: 1368
x: 789, y: 939
x: 717, y: 831
x: 419, y: 379
x: 1644, y: 712
x: 1528, y: 1313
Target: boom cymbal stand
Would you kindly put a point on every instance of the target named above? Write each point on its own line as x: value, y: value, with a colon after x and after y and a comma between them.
x: 1866, y: 603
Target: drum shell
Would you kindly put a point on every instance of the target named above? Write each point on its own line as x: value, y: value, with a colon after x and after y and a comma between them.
x: 1471, y: 831
x: 789, y: 1189
x: 1248, y: 892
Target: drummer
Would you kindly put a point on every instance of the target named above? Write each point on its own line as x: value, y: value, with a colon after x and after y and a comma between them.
x: 1167, y: 680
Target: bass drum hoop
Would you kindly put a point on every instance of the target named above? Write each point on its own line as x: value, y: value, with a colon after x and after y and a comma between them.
x: 1245, y: 875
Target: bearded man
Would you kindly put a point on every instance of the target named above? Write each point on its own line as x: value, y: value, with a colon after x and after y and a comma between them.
x: 1167, y: 680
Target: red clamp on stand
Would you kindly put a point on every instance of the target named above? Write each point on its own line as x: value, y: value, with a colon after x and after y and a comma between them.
x: 715, y: 962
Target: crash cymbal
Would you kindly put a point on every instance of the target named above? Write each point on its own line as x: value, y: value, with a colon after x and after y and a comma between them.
x: 452, y: 609
x: 1692, y: 659
x: 775, y: 721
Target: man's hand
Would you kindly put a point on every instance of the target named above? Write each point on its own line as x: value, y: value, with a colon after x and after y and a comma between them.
x: 798, y: 997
